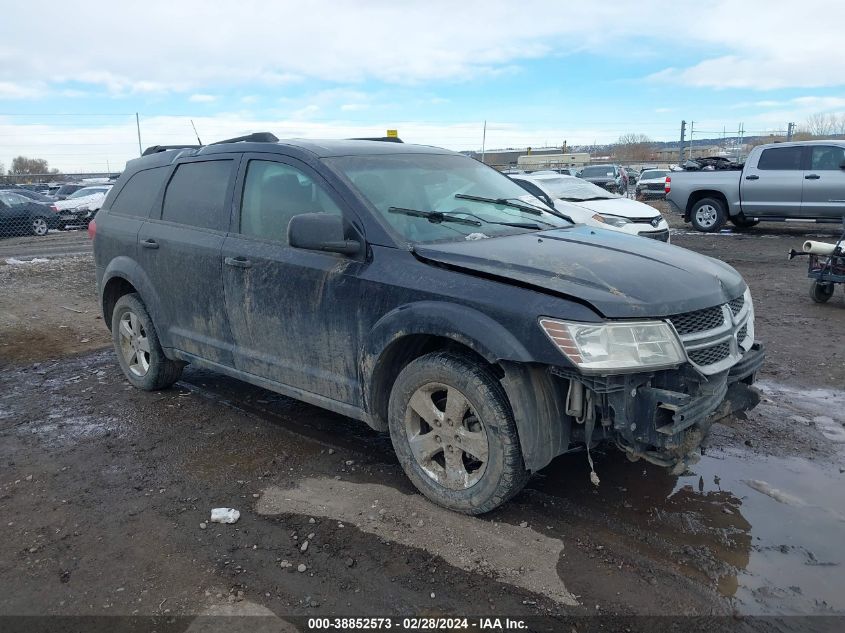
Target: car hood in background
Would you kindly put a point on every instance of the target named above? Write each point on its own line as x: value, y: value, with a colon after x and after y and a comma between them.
x: 94, y: 200
x: 619, y: 275
x: 624, y: 207
x: 653, y: 181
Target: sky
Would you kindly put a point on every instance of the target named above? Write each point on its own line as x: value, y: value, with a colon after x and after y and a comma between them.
x: 539, y: 73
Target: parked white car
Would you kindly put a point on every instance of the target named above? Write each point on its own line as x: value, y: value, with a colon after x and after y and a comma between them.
x: 652, y: 183
x: 589, y: 204
x: 80, y: 206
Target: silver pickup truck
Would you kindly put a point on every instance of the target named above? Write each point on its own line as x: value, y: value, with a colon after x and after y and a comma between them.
x: 792, y: 182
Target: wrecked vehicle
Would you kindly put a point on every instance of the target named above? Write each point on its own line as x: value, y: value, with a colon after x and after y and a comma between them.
x: 422, y: 292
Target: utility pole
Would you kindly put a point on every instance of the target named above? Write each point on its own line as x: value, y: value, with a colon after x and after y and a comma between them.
x: 691, y: 130
x: 483, y: 140
x: 790, y: 130
x: 741, y: 134
x: 681, y: 145
x: 138, y: 125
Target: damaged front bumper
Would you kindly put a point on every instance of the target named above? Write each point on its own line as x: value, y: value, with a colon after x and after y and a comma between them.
x: 661, y: 417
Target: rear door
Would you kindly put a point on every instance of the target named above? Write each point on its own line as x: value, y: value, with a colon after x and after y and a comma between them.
x: 179, y: 248
x: 772, y: 185
x: 293, y: 313
x: 824, y: 182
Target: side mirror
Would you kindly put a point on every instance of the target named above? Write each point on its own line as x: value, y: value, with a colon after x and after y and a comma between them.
x: 321, y: 232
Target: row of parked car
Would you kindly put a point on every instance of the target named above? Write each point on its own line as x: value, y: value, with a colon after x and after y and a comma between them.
x: 25, y: 211
x: 648, y: 183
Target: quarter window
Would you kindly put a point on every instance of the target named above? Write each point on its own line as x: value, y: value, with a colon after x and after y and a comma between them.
x: 826, y: 157
x: 273, y: 194
x: 196, y: 195
x: 138, y: 194
x: 780, y: 158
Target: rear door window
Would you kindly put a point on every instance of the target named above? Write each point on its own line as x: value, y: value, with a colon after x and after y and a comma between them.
x: 826, y: 157
x: 196, y: 195
x: 780, y: 158
x: 138, y: 194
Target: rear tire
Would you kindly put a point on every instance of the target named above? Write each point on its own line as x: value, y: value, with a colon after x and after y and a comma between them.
x: 462, y: 451
x: 821, y: 292
x: 39, y: 226
x: 708, y: 215
x: 138, y: 349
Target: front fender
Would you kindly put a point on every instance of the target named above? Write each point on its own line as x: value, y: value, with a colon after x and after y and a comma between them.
x: 464, y: 325
x: 127, y: 268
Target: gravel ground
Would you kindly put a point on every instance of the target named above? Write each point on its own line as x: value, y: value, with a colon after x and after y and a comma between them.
x: 105, y: 491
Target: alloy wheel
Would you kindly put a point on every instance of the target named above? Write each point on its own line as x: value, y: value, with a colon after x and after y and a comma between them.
x: 706, y: 216
x: 446, y: 436
x: 134, y: 344
x: 39, y: 226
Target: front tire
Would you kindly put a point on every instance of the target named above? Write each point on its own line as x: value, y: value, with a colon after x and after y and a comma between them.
x: 453, y: 431
x: 821, y: 292
x: 138, y: 349
x: 708, y: 215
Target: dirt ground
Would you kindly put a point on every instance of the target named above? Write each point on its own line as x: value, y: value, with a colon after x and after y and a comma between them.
x: 105, y: 491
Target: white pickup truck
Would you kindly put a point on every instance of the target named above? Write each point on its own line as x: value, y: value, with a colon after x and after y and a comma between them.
x: 791, y: 182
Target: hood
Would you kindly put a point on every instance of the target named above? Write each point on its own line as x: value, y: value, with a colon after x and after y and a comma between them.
x: 625, y: 207
x: 653, y: 181
x: 599, y: 179
x: 72, y: 203
x: 621, y: 276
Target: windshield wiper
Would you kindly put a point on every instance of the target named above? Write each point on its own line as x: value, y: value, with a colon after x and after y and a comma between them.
x: 435, y: 217
x: 508, y: 202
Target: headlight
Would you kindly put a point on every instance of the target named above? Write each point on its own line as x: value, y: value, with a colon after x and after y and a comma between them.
x: 609, y: 347
x: 612, y: 220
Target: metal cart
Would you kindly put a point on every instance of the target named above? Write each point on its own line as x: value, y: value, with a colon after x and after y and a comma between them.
x: 825, y: 270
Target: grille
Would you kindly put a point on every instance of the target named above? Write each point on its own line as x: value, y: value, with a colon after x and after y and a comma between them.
x: 698, y: 321
x: 743, y: 332
x: 710, y: 355
x: 655, y: 186
x: 736, y: 305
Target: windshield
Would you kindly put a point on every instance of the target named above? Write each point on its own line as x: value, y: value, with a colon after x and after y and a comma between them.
x: 396, y: 184
x: 653, y: 174
x: 87, y: 191
x: 573, y: 189
x: 599, y: 171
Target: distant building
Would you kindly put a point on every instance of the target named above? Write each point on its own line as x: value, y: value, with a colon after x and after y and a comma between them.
x: 532, y: 161
x: 509, y: 158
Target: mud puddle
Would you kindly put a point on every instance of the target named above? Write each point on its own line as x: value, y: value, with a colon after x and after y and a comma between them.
x: 765, y: 531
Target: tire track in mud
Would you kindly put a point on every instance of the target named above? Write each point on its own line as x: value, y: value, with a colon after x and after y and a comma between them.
x: 517, y: 556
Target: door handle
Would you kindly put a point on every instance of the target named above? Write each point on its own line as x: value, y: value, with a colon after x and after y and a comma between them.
x: 238, y: 262
x: 752, y: 177
x: 812, y: 177
x: 149, y: 243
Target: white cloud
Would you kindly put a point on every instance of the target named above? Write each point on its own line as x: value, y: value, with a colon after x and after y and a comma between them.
x: 757, y: 44
x: 15, y: 90
x: 202, y: 98
x: 760, y: 44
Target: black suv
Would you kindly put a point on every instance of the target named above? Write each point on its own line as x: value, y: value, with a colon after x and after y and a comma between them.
x: 424, y: 293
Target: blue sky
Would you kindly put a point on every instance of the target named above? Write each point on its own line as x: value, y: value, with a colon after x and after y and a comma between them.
x: 538, y: 72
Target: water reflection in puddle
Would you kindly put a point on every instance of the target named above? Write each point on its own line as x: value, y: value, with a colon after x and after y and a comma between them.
x: 768, y: 532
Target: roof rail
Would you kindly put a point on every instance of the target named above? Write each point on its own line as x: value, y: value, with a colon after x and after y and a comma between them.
x: 384, y: 139
x: 256, y: 137
x: 155, y: 149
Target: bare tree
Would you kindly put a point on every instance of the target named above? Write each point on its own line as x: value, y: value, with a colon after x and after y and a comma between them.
x: 23, y: 166
x: 824, y: 124
x: 633, y: 146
